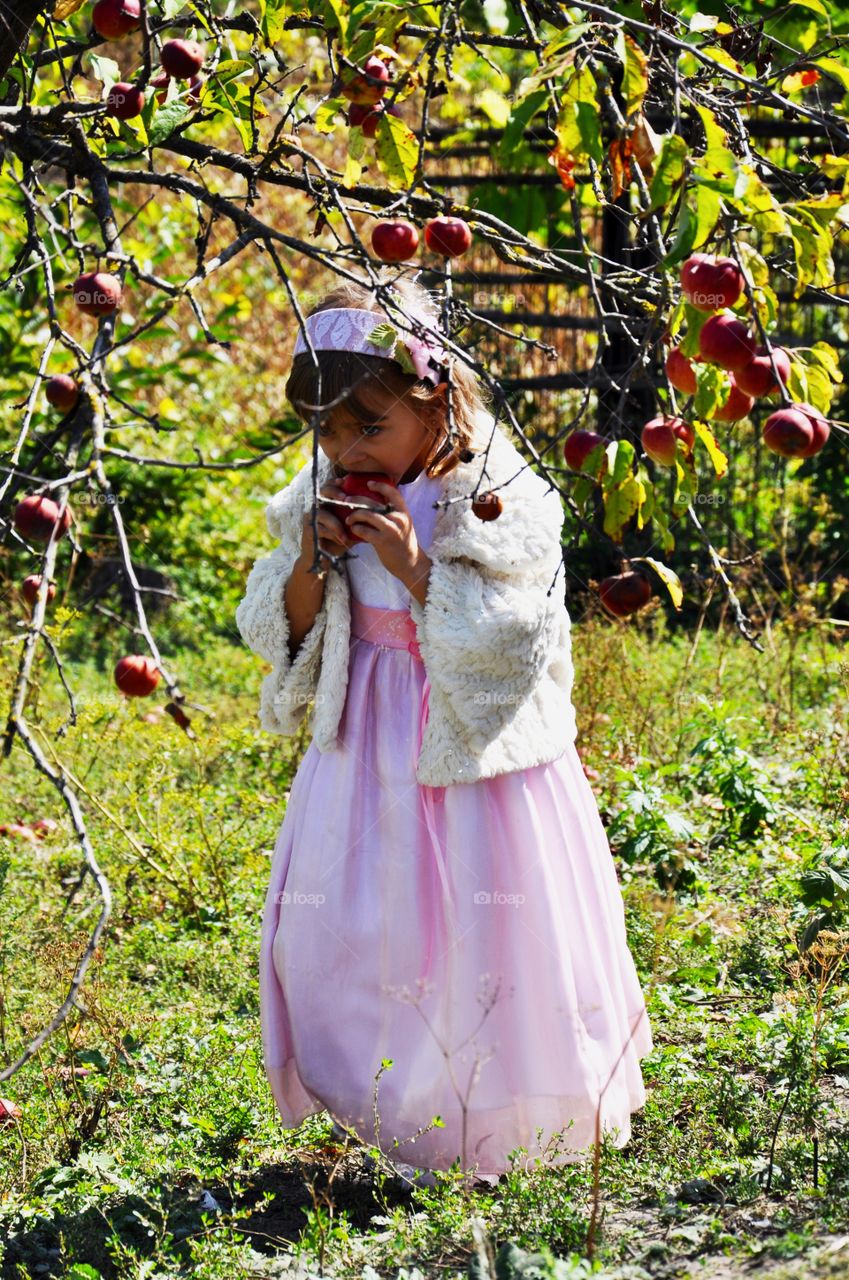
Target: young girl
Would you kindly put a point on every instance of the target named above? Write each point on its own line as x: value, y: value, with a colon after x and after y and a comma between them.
x: 442, y: 891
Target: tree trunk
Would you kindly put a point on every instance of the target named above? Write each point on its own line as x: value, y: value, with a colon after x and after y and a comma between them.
x: 15, y: 23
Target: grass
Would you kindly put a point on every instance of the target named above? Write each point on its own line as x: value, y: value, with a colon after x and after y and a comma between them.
x: 148, y: 1143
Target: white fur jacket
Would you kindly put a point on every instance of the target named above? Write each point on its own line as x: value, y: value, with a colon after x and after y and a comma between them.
x: 495, y: 645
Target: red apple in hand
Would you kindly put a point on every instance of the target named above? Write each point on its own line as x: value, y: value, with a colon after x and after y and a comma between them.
x: 658, y: 438
x: 625, y: 593
x: 680, y: 372
x: 710, y: 283
x: 394, y: 241
x: 757, y: 378
x: 367, y: 86
x: 448, y: 237
x: 577, y: 447
x: 136, y: 675
x: 725, y: 340
x: 355, y: 485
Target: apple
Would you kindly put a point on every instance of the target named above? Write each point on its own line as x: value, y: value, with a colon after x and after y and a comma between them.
x: 658, y: 438
x: 36, y: 516
x: 113, y: 19
x: 710, y: 283
x: 162, y: 81
x: 182, y: 58
x: 578, y: 445
x: 757, y: 378
x: 45, y: 825
x: 367, y: 85
x: 821, y: 427
x: 725, y: 340
x: 487, y: 506
x: 62, y: 392
x: 448, y: 236
x: 124, y: 100
x: 790, y: 432
x: 737, y: 405
x: 98, y: 293
x: 136, y: 675
x: 680, y: 372
x: 30, y: 586
x: 355, y: 485
x: 625, y: 593
x: 367, y: 117
x: 394, y: 241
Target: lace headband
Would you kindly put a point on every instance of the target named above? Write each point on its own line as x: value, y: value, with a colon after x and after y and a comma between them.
x: 372, y: 333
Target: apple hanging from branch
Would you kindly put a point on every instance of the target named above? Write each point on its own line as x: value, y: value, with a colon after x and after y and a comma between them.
x: 659, y: 438
x: 624, y: 593
x: 710, y: 283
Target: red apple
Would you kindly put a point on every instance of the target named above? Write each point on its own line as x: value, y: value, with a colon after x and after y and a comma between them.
x: 821, y: 428
x: 124, y: 100
x: 36, y: 516
x: 487, y: 506
x: 136, y: 675
x: 736, y: 406
x: 725, y: 340
x: 711, y: 283
x: 355, y: 485
x: 658, y: 438
x: 625, y: 593
x: 113, y: 19
x: 182, y: 58
x: 98, y: 293
x: 448, y: 237
x: 680, y: 372
x: 367, y: 86
x: 62, y: 392
x: 757, y: 378
x: 789, y: 432
x: 367, y: 117
x: 30, y: 586
x: 394, y: 241
x: 578, y: 445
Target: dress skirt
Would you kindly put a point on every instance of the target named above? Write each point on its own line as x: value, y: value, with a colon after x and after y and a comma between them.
x: 454, y: 954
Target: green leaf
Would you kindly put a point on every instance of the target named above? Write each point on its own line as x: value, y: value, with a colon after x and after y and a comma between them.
x: 825, y: 357
x: 106, y: 70
x: 233, y: 69
x: 383, y: 335
x: 669, y: 170
x: 523, y: 113
x: 620, y: 457
x: 165, y: 122
x: 495, y: 105
x: 273, y: 15
x: 356, y: 151
x: 325, y: 116
x: 719, y: 55
x: 620, y: 504
x: 695, y: 321
x: 812, y: 246
x: 578, y: 125
x: 834, y: 68
x: 335, y: 14
x: 712, y: 388
x: 667, y: 576
x: 715, y: 135
x: 397, y: 151
x: 635, y: 81
x: 815, y: 5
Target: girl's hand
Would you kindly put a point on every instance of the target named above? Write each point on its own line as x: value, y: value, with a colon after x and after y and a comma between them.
x: 332, y: 534
x: 390, y: 533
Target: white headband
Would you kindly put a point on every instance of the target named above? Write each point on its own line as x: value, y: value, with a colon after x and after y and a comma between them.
x: 352, y: 328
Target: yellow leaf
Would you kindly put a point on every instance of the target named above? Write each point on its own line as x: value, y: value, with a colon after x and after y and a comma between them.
x: 717, y: 457
x: 667, y: 575
x: 64, y: 9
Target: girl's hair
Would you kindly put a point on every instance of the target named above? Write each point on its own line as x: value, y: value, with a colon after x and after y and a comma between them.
x: 342, y: 369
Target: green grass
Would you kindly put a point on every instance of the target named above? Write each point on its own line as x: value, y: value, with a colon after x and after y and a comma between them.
x: 721, y: 775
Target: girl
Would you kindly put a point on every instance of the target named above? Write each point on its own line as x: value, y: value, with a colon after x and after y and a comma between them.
x: 442, y: 892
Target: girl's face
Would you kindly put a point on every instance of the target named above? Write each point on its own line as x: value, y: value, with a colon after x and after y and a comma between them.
x: 391, y: 437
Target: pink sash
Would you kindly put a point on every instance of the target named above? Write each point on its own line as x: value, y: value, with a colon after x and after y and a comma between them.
x: 395, y: 629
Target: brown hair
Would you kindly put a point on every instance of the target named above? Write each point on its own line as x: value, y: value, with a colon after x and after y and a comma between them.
x: 341, y: 370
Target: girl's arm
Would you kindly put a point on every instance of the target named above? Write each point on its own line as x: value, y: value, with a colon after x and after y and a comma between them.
x: 303, y: 597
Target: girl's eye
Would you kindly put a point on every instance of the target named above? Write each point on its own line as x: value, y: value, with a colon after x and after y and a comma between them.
x: 370, y: 430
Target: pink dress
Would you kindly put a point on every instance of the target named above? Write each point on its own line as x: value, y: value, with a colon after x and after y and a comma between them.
x: 473, y: 934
